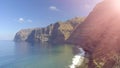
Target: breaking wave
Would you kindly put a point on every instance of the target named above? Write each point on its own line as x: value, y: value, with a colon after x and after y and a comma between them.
x: 78, y: 59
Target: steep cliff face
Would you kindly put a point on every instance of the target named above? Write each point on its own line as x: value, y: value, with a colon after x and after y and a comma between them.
x: 23, y: 34
x: 40, y: 34
x: 99, y: 35
x: 61, y: 32
x: 54, y: 33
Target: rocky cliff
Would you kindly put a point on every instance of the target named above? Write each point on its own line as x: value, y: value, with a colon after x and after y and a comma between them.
x: 23, y: 34
x: 54, y: 33
x: 99, y: 35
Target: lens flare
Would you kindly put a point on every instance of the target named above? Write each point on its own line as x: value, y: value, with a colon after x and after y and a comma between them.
x: 116, y: 5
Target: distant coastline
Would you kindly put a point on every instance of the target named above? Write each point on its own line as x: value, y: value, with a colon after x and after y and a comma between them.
x: 54, y: 33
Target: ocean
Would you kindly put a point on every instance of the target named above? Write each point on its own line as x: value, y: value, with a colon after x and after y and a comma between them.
x: 35, y: 55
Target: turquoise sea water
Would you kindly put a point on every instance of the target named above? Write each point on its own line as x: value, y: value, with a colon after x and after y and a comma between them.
x: 27, y: 55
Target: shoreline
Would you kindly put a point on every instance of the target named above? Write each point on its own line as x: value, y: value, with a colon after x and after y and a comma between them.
x: 78, y: 59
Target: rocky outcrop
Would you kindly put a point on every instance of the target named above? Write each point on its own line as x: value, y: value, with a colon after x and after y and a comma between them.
x: 54, y: 33
x: 23, y: 34
x: 99, y: 35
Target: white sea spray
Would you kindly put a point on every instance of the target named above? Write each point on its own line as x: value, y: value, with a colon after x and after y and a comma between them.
x: 78, y: 59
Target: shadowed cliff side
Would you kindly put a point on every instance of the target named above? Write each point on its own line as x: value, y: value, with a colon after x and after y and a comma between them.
x: 99, y: 35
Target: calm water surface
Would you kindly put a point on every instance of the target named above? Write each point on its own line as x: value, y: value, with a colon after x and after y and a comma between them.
x: 26, y: 55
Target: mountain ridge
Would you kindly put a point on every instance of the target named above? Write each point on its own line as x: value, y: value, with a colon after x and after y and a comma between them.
x: 53, y: 33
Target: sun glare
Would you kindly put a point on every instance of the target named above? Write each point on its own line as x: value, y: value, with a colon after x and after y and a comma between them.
x: 116, y: 5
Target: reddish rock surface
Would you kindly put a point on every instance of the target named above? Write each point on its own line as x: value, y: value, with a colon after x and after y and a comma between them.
x: 99, y: 35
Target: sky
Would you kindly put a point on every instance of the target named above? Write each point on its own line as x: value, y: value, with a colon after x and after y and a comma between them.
x: 21, y: 14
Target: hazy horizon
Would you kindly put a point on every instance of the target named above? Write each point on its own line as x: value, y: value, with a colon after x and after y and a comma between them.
x: 16, y: 15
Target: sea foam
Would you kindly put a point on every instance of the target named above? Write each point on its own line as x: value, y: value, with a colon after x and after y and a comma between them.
x: 78, y: 59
